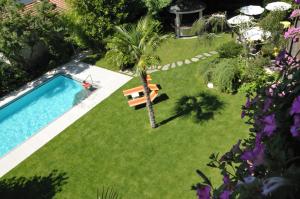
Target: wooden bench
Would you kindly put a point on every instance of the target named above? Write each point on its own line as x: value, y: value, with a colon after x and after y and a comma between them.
x: 142, y: 100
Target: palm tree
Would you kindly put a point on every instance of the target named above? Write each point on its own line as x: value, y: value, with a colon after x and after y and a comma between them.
x: 135, y: 44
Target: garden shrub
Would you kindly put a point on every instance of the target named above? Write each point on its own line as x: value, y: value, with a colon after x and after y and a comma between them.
x: 230, y: 50
x: 267, y: 50
x: 224, y: 73
x: 235, y: 74
x: 254, y: 68
x: 254, y: 76
x: 271, y: 23
x: 215, y: 23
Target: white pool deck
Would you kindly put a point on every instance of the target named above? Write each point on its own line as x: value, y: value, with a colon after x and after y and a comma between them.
x: 107, y: 82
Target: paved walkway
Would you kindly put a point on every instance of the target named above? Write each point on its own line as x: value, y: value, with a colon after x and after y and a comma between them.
x: 175, y: 64
x: 107, y: 83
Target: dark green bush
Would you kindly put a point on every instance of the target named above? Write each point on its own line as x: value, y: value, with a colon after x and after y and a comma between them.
x: 230, y: 50
x: 11, y: 77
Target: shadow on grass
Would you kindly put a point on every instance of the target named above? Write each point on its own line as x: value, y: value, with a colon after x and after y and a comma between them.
x: 36, y: 187
x: 159, y: 99
x: 108, y: 193
x: 200, y: 108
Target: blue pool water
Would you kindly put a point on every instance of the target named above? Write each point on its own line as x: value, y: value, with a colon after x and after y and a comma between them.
x: 28, y: 114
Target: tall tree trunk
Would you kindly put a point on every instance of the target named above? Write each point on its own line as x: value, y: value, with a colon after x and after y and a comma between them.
x: 143, y: 76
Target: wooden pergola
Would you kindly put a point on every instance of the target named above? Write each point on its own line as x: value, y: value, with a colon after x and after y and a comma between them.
x: 179, y: 12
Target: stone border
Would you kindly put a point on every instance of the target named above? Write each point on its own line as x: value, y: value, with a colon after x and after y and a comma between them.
x: 105, y: 80
x: 175, y: 64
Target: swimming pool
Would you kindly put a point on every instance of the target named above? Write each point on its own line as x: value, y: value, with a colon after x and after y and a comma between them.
x: 28, y: 114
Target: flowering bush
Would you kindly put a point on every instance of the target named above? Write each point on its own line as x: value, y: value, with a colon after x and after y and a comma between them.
x: 295, y: 13
x: 292, y: 32
x: 267, y: 163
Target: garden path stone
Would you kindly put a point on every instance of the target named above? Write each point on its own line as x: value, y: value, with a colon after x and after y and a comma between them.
x: 179, y: 63
x: 213, y: 52
x: 207, y: 54
x: 187, y: 61
x: 152, y: 71
x: 195, y: 59
x: 199, y: 56
x: 173, y: 65
x: 166, y: 67
x: 158, y: 67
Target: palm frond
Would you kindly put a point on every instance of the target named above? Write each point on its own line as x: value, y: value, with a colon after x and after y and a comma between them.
x: 135, y: 42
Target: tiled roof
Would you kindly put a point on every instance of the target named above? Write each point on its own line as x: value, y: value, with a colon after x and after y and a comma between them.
x: 60, y: 5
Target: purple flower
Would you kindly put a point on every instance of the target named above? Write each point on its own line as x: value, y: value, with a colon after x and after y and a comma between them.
x: 281, y: 56
x: 248, y: 103
x: 267, y: 104
x: 269, y: 124
x: 295, y: 129
x: 270, y: 90
x: 226, y: 179
x: 297, y: 1
x: 256, y: 156
x: 225, y: 194
x: 296, y: 12
x: 258, y: 138
x: 292, y: 32
x: 295, y: 106
x: 282, y: 94
x: 243, y: 114
x: 204, y: 192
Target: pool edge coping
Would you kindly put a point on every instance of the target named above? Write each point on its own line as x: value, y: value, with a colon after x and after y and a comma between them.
x: 21, y: 152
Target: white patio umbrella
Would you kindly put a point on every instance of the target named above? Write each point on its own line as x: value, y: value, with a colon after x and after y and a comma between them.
x: 252, y: 10
x: 255, y: 34
x: 279, y: 5
x: 239, y: 19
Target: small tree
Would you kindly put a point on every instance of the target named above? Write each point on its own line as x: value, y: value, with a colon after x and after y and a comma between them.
x: 135, y: 44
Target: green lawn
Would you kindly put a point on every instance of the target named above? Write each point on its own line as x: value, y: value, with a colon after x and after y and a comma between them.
x: 173, y: 50
x: 114, y: 146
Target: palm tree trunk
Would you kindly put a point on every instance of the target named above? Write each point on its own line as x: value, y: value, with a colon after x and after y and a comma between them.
x: 143, y: 76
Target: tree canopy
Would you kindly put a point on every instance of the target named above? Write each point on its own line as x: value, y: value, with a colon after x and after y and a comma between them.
x: 21, y: 31
x: 29, y: 40
x: 96, y: 19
